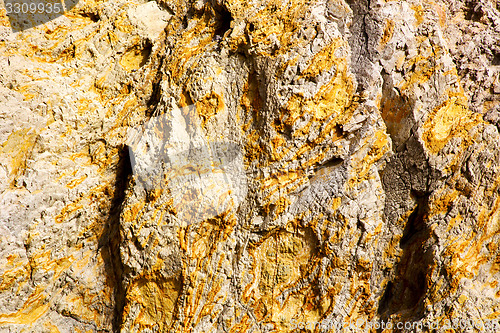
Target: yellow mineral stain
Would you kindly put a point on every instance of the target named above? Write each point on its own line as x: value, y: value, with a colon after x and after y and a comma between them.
x: 388, y: 32
x: 450, y: 119
x: 131, y: 213
x: 423, y: 66
x: 440, y: 12
x: 51, y: 327
x: 446, y: 117
x: 271, y: 26
x: 127, y: 115
x: 379, y: 146
x: 444, y: 200
x: 453, y: 222
x: 34, y: 308
x: 76, y: 181
x: 68, y: 210
x: 4, y: 20
x: 419, y: 14
x: 122, y: 23
x: 191, y: 43
x: 494, y: 315
x: 279, y: 262
x: 99, y: 84
x: 18, y: 147
x: 394, y: 111
x: 375, y: 232
x: 135, y: 57
x: 331, y: 100
x: 11, y: 276
x: 251, y: 99
x: 324, y: 59
x: 37, y: 304
x: 208, y: 106
x: 155, y: 298
x: 200, y: 300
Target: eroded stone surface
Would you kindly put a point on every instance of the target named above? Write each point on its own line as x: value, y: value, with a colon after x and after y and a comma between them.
x: 364, y: 184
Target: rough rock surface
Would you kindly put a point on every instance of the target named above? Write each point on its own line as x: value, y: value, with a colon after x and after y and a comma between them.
x: 260, y: 166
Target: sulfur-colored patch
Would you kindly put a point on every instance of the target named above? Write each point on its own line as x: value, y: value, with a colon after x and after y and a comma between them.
x: 251, y: 100
x: 446, y: 118
x: 324, y: 59
x: 68, y: 211
x: 17, y: 271
x: 207, y: 284
x: 394, y: 110
x: 123, y: 24
x: 18, y: 147
x: 77, y: 181
x: 209, y: 106
x: 190, y: 43
x: 331, y: 100
x: 454, y: 221
x: 424, y: 68
x: 4, y: 19
x: 451, y: 119
x: 419, y: 14
x: 51, y: 327
x: 388, y: 32
x: 379, y: 147
x: 465, y: 252
x: 279, y: 262
x: 273, y: 29
x: 37, y: 303
x: 135, y: 57
x: 32, y: 310
x: 155, y: 297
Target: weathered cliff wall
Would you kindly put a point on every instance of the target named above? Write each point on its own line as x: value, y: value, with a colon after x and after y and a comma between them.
x: 233, y: 166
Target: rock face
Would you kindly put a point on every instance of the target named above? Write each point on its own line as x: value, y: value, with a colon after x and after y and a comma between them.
x: 261, y: 166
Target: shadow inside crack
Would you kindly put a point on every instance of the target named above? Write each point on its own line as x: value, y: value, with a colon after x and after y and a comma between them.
x: 109, y: 243
x: 404, y: 294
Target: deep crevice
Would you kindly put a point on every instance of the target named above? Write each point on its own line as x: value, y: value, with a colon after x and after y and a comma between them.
x: 146, y: 50
x: 409, y: 286
x: 283, y: 128
x: 224, y: 20
x: 415, y: 224
x: 92, y: 15
x: 109, y: 243
x: 155, y: 97
x: 496, y: 60
x: 332, y: 162
x: 473, y: 12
